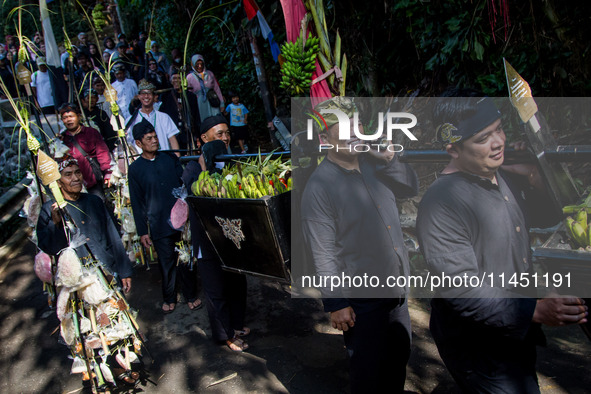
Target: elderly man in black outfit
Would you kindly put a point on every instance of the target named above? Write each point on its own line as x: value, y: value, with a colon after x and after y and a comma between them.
x: 92, y: 218
x: 225, y: 292
x: 350, y: 224
x: 152, y: 177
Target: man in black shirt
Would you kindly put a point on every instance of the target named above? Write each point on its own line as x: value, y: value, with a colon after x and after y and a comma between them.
x: 152, y: 177
x: 351, y: 226
x: 172, y: 104
x: 474, y: 220
x: 84, y: 68
x: 225, y: 292
x: 92, y: 218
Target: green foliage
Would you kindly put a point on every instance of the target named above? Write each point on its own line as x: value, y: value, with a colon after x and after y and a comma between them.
x: 404, y: 45
x: 59, y: 12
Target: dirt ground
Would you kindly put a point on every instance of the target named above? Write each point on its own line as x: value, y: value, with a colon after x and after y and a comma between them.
x: 292, y: 347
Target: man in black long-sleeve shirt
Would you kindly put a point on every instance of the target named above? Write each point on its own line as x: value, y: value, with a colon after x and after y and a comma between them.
x: 172, y: 104
x: 225, y: 292
x: 152, y: 177
x: 92, y: 218
x: 351, y: 225
x: 474, y: 221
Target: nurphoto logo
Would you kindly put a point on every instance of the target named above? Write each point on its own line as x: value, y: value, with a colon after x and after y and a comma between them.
x: 377, y: 141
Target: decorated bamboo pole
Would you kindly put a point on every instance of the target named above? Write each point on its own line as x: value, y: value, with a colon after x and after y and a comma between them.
x: 556, y: 175
x: 80, y: 339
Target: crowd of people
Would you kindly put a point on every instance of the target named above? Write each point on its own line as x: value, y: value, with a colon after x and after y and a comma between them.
x: 124, y: 63
x: 156, y: 122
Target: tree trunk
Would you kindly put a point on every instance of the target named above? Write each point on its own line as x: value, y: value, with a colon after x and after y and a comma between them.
x: 262, y: 77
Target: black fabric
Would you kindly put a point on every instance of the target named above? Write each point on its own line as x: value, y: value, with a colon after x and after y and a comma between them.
x: 350, y: 224
x: 8, y: 79
x: 239, y: 132
x: 213, y: 98
x: 379, y: 348
x: 211, y: 121
x: 481, y: 359
x: 209, y: 151
x: 100, y: 118
x: 225, y: 298
x: 150, y: 187
x: 142, y: 128
x: 486, y: 113
x: 199, y: 239
x: 468, y: 225
x: 167, y: 261
x: 158, y: 79
x: 170, y: 107
x: 94, y: 221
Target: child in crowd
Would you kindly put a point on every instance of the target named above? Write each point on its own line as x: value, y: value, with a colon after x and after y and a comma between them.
x: 238, y: 121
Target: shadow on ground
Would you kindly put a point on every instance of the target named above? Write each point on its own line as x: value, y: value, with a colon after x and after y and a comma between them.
x: 292, y: 347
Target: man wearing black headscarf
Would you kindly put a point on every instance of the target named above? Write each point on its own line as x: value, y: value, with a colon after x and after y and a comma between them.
x: 90, y: 215
x: 474, y: 221
x: 152, y: 177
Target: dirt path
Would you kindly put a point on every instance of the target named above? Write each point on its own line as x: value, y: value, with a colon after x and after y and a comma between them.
x: 293, y: 349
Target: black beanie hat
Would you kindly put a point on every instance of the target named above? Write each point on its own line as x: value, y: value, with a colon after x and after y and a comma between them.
x: 142, y: 128
x: 208, y: 123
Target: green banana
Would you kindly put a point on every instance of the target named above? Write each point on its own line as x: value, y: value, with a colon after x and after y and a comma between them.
x: 581, y: 218
x: 578, y: 233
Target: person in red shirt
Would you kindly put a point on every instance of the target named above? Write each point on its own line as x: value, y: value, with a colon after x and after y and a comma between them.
x: 88, y: 147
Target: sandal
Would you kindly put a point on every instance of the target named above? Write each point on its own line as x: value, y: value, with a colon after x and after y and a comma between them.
x: 242, y: 333
x: 168, y: 308
x: 197, y: 304
x: 236, y: 344
x: 127, y: 377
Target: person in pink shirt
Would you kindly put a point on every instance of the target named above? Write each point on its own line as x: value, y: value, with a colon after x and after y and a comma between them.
x: 88, y: 147
x: 200, y: 81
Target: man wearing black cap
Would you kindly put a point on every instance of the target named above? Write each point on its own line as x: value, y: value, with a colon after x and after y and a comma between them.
x: 152, y: 177
x: 474, y: 220
x: 225, y: 292
x: 214, y: 128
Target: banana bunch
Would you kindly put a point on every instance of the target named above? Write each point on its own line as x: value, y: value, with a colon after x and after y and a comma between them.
x: 234, y: 186
x: 300, y: 62
x: 98, y: 17
x: 578, y: 228
x: 207, y: 185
